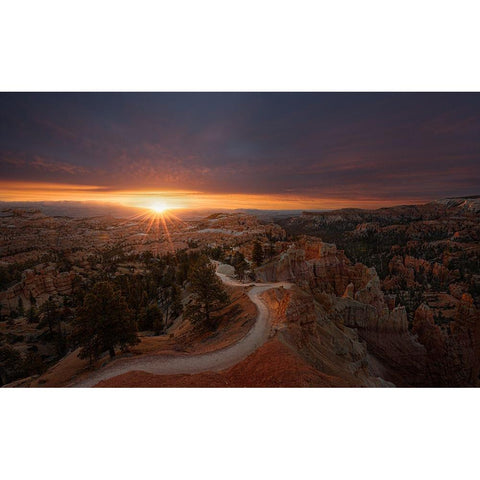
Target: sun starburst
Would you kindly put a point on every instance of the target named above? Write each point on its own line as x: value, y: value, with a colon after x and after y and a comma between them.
x: 158, y: 222
x: 158, y: 207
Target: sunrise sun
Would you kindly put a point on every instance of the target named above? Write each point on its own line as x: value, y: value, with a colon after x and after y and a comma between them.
x: 158, y: 207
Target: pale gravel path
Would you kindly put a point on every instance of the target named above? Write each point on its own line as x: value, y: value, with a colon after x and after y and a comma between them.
x: 208, y: 362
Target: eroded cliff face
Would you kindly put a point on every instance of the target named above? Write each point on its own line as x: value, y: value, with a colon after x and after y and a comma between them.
x: 316, y: 265
x: 39, y: 283
x: 452, y: 356
x: 344, y: 323
x: 307, y: 327
x: 411, y: 272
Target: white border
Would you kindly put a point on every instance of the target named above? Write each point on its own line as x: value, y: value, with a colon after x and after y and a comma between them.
x: 240, y: 433
x: 213, y: 45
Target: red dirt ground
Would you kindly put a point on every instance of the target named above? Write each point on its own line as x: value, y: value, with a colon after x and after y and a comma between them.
x: 272, y: 365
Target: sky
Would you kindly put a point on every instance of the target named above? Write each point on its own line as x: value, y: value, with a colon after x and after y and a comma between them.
x: 239, y: 150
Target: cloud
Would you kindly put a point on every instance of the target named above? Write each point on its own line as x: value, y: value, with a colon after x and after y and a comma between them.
x: 42, y: 163
x: 11, y: 160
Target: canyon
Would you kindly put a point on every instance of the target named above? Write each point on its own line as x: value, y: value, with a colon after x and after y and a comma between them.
x: 378, y: 298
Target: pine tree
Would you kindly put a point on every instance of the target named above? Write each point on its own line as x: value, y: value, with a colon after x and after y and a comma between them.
x: 271, y: 250
x: 21, y: 310
x: 50, y: 314
x: 152, y: 319
x: 32, y: 315
x: 104, y: 322
x: 257, y: 255
x: 208, y: 294
x: 238, y: 261
x: 10, y: 364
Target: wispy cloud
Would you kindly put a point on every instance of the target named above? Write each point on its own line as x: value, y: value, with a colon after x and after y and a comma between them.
x: 11, y: 160
x: 56, y: 166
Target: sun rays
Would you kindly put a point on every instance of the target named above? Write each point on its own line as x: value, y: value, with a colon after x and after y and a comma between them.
x: 158, y: 222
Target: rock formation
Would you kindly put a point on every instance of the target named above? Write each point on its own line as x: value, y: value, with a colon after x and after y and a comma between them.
x: 336, y: 296
x: 39, y: 283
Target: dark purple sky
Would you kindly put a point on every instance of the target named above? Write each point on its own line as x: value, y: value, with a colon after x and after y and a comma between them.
x: 385, y: 147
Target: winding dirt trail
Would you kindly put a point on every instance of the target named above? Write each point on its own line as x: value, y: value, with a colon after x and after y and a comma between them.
x: 212, y: 361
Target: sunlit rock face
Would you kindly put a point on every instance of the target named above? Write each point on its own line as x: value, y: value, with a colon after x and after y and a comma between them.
x: 318, y: 336
x: 319, y: 266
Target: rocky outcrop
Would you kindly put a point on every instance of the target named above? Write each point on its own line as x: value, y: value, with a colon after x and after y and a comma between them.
x: 348, y: 302
x: 452, y: 359
x: 316, y: 335
x: 293, y: 306
x: 349, y: 291
x: 467, y: 204
x: 237, y: 229
x: 399, y: 357
x: 39, y: 283
x: 411, y: 272
x: 316, y: 265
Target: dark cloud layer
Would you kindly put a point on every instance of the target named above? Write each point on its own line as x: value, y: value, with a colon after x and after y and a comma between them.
x: 355, y: 146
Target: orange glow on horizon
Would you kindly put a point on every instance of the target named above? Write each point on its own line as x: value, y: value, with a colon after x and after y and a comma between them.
x: 161, y: 201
